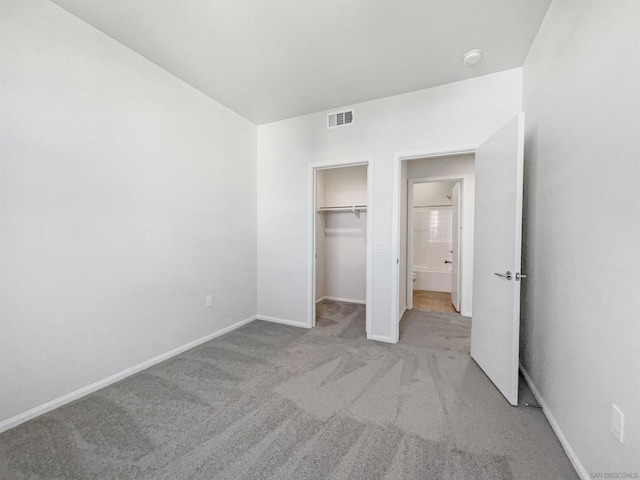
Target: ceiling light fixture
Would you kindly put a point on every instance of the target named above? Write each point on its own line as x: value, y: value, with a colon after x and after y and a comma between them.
x: 472, y: 57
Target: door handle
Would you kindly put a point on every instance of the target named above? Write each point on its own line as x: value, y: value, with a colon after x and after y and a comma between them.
x: 519, y: 276
x: 506, y: 275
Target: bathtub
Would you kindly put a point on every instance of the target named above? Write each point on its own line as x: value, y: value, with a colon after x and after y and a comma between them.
x: 433, y: 280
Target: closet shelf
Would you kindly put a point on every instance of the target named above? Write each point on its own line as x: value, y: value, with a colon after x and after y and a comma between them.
x: 342, y: 208
x: 355, y: 209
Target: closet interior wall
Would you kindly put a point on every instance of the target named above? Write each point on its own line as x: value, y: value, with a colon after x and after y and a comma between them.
x: 341, y: 233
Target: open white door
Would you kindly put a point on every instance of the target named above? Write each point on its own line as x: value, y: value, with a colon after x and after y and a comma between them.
x: 495, y: 328
x: 455, y: 246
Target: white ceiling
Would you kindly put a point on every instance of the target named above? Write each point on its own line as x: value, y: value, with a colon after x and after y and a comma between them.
x: 274, y: 59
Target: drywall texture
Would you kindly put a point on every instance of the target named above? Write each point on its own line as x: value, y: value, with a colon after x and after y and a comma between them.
x: 453, y: 116
x: 432, y: 232
x: 581, y: 299
x: 127, y: 197
x: 432, y: 194
x: 345, y: 266
x: 345, y: 186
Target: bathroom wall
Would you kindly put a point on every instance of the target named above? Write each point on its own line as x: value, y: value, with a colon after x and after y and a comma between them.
x: 432, y: 238
x: 432, y: 193
x: 432, y: 227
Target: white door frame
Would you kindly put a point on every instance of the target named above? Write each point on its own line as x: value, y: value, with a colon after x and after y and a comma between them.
x: 457, y: 252
x: 409, y: 265
x: 311, y: 218
x: 398, y: 158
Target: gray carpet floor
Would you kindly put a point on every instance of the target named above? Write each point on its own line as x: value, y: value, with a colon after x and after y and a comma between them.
x: 272, y: 401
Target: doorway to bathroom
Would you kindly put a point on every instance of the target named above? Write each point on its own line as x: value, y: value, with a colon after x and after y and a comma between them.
x: 433, y: 243
x: 436, y: 233
x: 490, y: 270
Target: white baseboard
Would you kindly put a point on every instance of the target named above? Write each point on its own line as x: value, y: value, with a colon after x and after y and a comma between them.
x: 466, y: 314
x: 346, y: 300
x: 84, y: 391
x: 283, y: 321
x: 404, y: 310
x: 575, y: 461
x: 380, y: 338
x: 320, y: 299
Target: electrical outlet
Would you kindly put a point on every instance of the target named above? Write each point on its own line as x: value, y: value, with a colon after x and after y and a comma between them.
x: 617, y: 423
x: 209, y: 300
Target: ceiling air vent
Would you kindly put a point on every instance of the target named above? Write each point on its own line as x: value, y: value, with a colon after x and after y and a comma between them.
x: 339, y: 119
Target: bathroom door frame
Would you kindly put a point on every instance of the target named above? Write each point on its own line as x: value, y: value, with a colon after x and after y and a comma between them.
x: 409, y: 232
x: 311, y: 218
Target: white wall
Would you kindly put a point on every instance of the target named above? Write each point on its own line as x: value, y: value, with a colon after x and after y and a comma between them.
x: 427, y: 198
x: 453, y: 116
x: 429, y: 252
x: 461, y: 167
x: 345, y: 186
x: 127, y: 197
x: 432, y: 193
x: 345, y: 256
x: 581, y: 300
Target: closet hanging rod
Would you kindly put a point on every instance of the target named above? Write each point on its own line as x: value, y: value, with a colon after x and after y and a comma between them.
x: 342, y: 208
x: 431, y: 206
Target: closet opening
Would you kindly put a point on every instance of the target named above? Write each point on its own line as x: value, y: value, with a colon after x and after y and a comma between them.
x: 341, y: 258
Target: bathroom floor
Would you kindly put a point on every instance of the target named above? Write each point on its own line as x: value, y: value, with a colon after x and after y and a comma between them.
x: 432, y: 301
